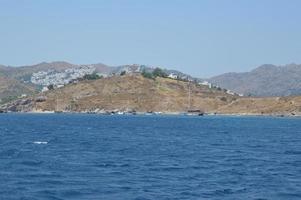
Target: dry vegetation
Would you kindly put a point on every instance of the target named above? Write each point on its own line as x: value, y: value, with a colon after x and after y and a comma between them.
x: 134, y: 92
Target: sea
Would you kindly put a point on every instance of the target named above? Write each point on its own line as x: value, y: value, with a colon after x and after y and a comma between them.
x: 93, y: 157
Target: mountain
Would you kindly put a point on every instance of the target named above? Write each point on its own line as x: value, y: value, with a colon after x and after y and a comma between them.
x: 11, y: 89
x: 133, y: 92
x: 102, y: 68
x: 17, y: 81
x: 24, y: 72
x: 128, y: 92
x: 266, y: 80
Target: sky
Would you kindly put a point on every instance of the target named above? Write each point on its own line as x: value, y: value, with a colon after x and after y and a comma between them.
x: 200, y: 37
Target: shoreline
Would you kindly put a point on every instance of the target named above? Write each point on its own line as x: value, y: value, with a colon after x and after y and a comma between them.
x: 279, y: 115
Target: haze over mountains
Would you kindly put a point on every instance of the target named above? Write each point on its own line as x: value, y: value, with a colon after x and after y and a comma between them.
x: 266, y: 80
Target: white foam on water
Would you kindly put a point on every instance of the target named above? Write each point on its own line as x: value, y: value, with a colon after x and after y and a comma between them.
x: 40, y: 142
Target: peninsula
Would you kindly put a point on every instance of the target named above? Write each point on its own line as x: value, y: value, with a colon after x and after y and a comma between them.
x: 134, y: 93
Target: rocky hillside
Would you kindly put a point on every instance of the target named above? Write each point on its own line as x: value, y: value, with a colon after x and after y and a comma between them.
x: 266, y: 80
x: 11, y: 89
x: 15, y: 81
x: 129, y: 92
x: 136, y: 93
x: 27, y: 80
x: 24, y: 73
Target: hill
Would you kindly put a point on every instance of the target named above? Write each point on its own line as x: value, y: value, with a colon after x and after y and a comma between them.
x: 10, y: 89
x: 134, y: 92
x: 266, y: 80
x: 30, y: 79
x: 16, y: 81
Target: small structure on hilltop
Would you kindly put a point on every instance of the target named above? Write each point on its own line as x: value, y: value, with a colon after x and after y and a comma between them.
x: 173, y: 76
x: 206, y: 83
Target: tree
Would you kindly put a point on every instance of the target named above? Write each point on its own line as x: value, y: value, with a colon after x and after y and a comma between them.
x: 50, y: 87
x: 122, y: 73
x: 93, y: 76
x: 146, y: 74
x: 159, y: 73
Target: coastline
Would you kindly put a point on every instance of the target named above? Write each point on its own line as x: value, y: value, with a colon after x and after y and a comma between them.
x: 112, y: 96
x: 108, y: 113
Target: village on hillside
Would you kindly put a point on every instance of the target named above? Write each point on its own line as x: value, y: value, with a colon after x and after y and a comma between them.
x: 59, y: 79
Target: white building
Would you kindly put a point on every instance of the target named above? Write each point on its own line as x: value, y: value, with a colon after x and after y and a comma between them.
x: 173, y: 76
x: 206, y: 83
x: 55, y: 78
x: 45, y: 89
x: 230, y: 92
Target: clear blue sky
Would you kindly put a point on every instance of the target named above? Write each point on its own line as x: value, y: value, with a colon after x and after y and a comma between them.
x: 199, y: 37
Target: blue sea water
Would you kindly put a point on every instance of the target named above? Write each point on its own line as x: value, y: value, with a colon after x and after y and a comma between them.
x: 73, y: 156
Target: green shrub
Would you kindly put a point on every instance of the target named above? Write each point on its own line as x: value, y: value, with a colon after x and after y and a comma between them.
x: 8, y: 99
x: 159, y: 73
x: 93, y: 76
x: 156, y: 73
x: 50, y: 87
x: 146, y: 74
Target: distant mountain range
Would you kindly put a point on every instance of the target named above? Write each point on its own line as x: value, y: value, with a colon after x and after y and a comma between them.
x: 266, y: 80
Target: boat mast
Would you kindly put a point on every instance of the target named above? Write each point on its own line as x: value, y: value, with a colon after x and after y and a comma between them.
x: 189, y: 95
x: 56, y: 103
